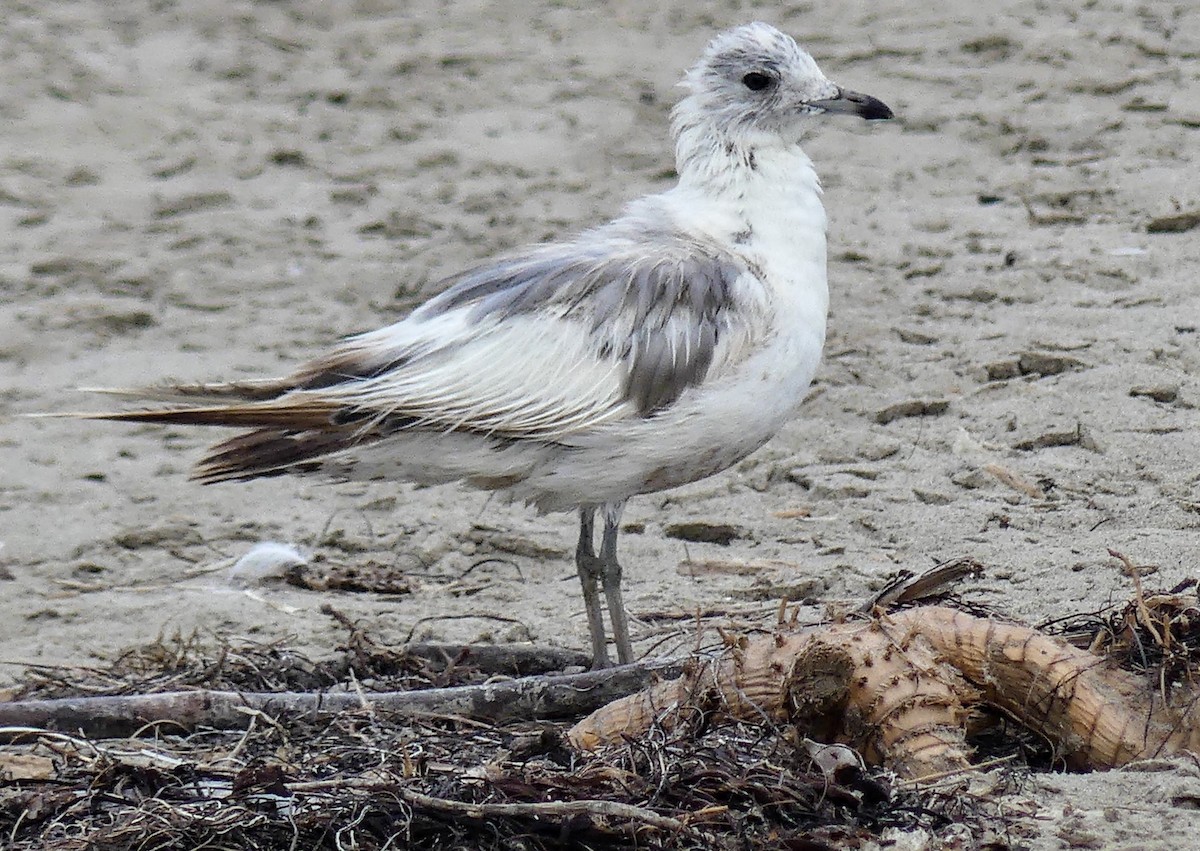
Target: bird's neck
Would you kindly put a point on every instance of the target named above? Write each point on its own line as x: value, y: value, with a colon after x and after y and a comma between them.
x: 740, y: 168
x: 759, y: 183
x: 765, y: 200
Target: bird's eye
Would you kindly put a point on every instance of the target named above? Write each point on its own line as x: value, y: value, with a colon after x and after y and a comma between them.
x: 756, y: 81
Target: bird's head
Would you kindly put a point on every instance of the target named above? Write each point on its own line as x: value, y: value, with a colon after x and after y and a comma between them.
x: 755, y: 86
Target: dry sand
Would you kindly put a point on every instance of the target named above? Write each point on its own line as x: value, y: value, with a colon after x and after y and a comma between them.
x: 219, y: 189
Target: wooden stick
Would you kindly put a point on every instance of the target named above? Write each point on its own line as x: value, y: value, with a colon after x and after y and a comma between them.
x: 511, y: 659
x: 528, y: 697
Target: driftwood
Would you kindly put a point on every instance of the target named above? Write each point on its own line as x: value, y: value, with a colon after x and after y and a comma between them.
x: 901, y: 688
x: 112, y: 716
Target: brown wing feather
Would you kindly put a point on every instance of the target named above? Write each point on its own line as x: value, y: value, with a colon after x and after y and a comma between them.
x: 287, y: 434
x: 271, y: 451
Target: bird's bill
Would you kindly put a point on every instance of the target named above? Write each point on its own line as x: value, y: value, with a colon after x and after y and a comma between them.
x: 855, y: 103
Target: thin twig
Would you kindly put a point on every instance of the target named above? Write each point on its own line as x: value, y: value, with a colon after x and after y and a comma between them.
x: 540, y: 809
x: 928, y: 779
x: 549, y: 809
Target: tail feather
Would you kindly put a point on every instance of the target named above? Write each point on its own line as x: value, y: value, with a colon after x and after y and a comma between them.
x: 292, y: 417
x: 286, y: 435
x: 290, y: 427
x: 344, y: 364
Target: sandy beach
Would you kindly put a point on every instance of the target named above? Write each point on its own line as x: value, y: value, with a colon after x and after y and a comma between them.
x: 218, y: 190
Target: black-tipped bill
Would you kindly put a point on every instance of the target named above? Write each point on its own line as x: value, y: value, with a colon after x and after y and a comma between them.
x: 854, y: 103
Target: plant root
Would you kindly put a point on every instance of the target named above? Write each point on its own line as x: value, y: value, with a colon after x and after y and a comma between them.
x: 903, y: 689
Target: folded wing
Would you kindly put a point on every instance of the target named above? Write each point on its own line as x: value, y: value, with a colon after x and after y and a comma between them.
x: 540, y: 345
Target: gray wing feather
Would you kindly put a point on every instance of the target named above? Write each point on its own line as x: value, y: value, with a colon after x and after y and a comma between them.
x: 660, y: 370
x: 658, y: 303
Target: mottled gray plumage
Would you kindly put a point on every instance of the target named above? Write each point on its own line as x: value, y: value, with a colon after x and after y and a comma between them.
x: 671, y: 292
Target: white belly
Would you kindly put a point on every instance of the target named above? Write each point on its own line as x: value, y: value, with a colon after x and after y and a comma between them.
x: 708, y: 429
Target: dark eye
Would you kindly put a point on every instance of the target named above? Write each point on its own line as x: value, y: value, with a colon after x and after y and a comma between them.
x: 756, y: 81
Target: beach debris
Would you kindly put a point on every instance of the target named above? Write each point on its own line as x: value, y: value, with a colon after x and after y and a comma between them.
x: 266, y: 561
x: 1174, y: 223
x: 912, y: 408
x: 901, y: 687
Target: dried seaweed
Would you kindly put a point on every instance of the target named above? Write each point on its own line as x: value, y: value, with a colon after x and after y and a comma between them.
x: 1155, y: 633
x: 360, y: 779
x: 193, y: 661
x: 362, y: 782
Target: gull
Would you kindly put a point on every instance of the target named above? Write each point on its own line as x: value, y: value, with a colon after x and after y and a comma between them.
x: 641, y: 355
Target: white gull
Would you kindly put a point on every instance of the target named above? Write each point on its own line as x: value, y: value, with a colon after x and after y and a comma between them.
x: 644, y: 354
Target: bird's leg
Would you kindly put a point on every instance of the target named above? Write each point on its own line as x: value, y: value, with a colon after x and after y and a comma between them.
x: 612, y: 582
x: 590, y: 570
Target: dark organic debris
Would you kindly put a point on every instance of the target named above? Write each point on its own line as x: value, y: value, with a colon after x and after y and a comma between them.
x: 1174, y: 223
x: 1155, y: 633
x: 364, y: 782
x: 356, y: 577
x: 701, y: 532
x: 912, y: 408
x: 1039, y: 364
x: 1159, y: 392
x: 363, y: 777
x: 909, y: 587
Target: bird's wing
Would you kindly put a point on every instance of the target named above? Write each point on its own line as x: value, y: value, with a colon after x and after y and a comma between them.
x: 545, y: 343
x: 539, y: 345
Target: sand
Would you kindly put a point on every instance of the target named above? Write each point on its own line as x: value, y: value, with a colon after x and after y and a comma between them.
x: 217, y: 190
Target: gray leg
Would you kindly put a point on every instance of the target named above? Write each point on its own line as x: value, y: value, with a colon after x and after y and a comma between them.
x: 590, y: 571
x: 612, y: 582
